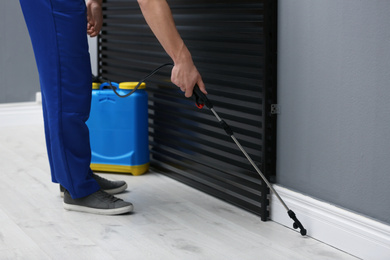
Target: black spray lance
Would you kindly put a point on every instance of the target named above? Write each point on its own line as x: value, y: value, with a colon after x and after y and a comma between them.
x: 201, y: 100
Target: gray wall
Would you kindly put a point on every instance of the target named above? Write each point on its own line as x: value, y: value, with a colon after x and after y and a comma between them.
x: 334, y: 93
x: 18, y: 73
x: 19, y: 80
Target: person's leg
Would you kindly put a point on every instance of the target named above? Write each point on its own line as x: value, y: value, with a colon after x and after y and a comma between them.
x: 58, y: 33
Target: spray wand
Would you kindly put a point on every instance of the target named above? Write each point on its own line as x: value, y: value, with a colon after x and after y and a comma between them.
x: 201, y: 100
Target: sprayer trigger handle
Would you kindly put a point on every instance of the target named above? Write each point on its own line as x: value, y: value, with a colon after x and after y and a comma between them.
x: 200, y: 98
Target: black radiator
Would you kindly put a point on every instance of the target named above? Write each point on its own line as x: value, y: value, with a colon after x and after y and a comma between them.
x: 233, y: 44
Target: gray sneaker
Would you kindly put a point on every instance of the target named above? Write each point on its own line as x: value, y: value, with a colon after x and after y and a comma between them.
x: 111, y: 187
x: 99, y: 202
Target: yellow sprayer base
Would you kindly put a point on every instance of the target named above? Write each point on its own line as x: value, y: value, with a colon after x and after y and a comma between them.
x: 134, y: 170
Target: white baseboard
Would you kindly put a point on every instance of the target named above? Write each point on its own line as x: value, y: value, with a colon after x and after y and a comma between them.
x: 352, y: 233
x: 20, y: 114
x: 38, y: 98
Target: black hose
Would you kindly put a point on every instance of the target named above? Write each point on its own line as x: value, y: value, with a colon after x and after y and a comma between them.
x: 139, y: 82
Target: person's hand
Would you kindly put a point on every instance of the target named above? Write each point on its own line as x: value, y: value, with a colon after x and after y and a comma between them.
x: 94, y: 17
x: 185, y: 76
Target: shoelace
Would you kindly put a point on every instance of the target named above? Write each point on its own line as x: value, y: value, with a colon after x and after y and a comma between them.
x: 97, y: 177
x: 106, y: 196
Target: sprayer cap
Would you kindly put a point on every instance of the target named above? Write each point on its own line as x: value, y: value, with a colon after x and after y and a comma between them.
x: 95, y: 85
x: 131, y: 85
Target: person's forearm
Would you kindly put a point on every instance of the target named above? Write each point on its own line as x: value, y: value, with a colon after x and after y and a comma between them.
x: 184, y: 74
x: 158, y: 15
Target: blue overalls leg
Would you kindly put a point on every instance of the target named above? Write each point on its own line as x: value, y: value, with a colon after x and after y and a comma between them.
x: 58, y: 34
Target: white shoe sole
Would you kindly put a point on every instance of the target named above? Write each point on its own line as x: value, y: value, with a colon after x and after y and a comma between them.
x: 112, y: 191
x: 116, y: 211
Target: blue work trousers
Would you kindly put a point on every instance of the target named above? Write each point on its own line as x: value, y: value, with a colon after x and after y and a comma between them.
x: 58, y: 32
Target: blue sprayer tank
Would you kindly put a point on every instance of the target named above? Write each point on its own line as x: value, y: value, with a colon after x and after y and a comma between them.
x: 119, y: 129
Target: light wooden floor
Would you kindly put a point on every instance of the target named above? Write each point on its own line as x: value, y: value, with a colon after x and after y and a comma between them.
x: 171, y: 220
